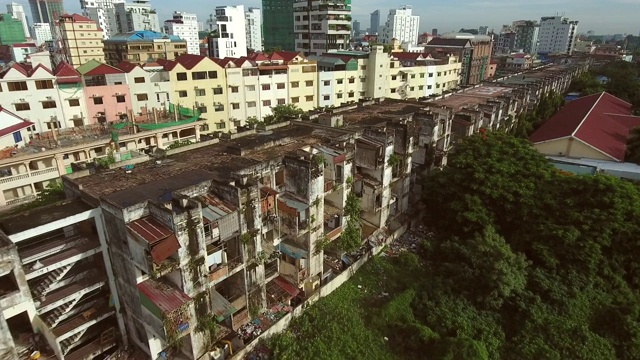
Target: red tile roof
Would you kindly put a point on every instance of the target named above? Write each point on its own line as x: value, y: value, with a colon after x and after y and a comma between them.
x: 66, y: 74
x: 77, y: 18
x: 601, y: 121
x: 167, y: 64
x: 13, y: 128
x: 284, y: 55
x: 189, y: 61
x: 258, y: 57
x: 127, y: 66
x: 165, y: 297
x: 104, y: 69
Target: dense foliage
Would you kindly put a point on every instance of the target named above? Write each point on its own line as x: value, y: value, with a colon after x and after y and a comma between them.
x: 528, y: 122
x: 623, y: 81
x: 525, y: 262
x: 282, y: 113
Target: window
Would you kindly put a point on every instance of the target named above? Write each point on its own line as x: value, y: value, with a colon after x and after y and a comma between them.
x: 212, y: 74
x: 220, y: 125
x: 339, y: 96
x: 199, y: 75
x: 22, y: 107
x: 393, y: 91
x: 181, y: 76
x: 98, y: 100
x: 18, y: 86
x: 421, y: 87
x: 142, y: 97
x: 235, y: 106
x: 266, y: 102
x: 352, y: 80
x: 250, y: 87
x: 394, y: 77
x: 182, y: 93
x: 309, y: 83
x: 49, y: 104
x: 363, y: 80
x: 266, y: 87
x: 363, y: 67
x: 17, y: 137
x: 203, y: 109
x: 411, y: 88
x: 217, y: 91
x: 281, y: 101
x: 44, y: 84
x: 439, y: 73
x: 421, y: 75
x: 295, y: 84
x: 327, y: 82
x: 234, y: 89
x: 340, y: 81
x: 74, y: 102
x: 251, y: 104
x: 280, y: 86
x: 309, y: 98
x: 430, y: 74
x: 351, y: 94
x: 218, y: 107
x: 428, y: 87
x: 413, y: 76
x: 138, y: 80
x: 437, y: 86
x: 326, y: 97
x: 120, y: 98
x: 200, y: 92
x: 295, y: 100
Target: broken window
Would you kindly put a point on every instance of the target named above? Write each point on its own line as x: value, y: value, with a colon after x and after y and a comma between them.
x: 8, y: 284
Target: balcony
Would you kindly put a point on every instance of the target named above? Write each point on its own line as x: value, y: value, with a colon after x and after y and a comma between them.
x: 332, y: 234
x: 165, y: 305
x: 21, y: 200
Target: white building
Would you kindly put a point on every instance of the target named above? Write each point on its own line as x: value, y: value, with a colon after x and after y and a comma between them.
x: 17, y: 12
x: 136, y: 17
x: 321, y: 26
x: 253, y: 23
x: 401, y: 25
x: 557, y: 35
x: 185, y: 26
x: 42, y: 33
x: 150, y: 87
x: 102, y: 12
x: 229, y: 24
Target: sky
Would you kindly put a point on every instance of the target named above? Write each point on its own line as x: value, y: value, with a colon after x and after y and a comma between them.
x: 601, y: 16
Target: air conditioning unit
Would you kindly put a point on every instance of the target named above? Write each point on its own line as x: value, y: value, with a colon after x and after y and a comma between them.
x: 49, y: 98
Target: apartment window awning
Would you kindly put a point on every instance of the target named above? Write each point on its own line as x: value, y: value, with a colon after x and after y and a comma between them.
x: 279, y: 289
x: 162, y: 242
x: 164, y: 249
x: 293, y: 251
x: 221, y: 307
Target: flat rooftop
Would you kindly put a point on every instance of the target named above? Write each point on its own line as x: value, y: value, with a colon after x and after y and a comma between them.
x: 380, y: 113
x: 473, y: 97
x: 151, y: 181
x: 29, y: 219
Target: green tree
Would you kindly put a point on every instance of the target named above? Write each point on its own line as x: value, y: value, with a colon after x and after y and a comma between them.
x: 281, y: 113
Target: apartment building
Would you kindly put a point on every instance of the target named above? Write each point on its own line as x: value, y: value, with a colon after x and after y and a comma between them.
x: 143, y: 46
x: 527, y: 34
x: 137, y: 16
x: 184, y: 26
x: 322, y: 26
x: 103, y: 13
x: 11, y: 31
x: 253, y: 23
x: 262, y: 81
x: 81, y: 39
x: 418, y: 75
x: 106, y: 92
x: 401, y: 25
x: 199, y: 83
x: 150, y: 88
x: 42, y: 33
x: 341, y: 79
x: 46, y: 11
x: 229, y: 32
x: 505, y: 43
x: 474, y: 51
x: 557, y: 35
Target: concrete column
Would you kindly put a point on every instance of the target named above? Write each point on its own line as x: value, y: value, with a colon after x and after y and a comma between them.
x: 60, y: 164
x: 99, y: 221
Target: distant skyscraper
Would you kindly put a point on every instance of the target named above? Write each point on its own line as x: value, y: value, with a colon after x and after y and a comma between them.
x: 375, y: 22
x: 102, y: 12
x: 327, y: 29
x: 229, y: 22
x: 253, y: 25
x: 356, y: 28
x: 482, y: 30
x: 46, y: 11
x: 17, y: 12
x: 401, y: 25
x: 434, y: 32
x: 277, y: 24
x: 527, y: 33
x: 557, y: 35
x: 136, y: 16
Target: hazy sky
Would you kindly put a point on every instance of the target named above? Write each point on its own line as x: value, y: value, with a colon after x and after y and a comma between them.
x: 602, y: 16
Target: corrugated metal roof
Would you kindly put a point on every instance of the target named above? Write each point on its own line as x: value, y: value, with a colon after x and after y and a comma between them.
x: 216, y: 208
x: 286, y: 286
x: 293, y: 251
x: 165, y: 297
x: 221, y: 307
x: 149, y: 229
x: 293, y: 203
x: 165, y: 248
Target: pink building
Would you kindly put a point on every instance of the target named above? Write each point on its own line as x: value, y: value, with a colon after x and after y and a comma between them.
x: 106, y: 92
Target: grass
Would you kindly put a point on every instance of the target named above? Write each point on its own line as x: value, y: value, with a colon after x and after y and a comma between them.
x: 353, y: 322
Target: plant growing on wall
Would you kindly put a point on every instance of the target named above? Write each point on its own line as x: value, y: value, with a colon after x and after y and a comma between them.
x: 106, y: 161
x: 321, y: 244
x: 394, y: 160
x: 351, y: 239
x: 179, y: 144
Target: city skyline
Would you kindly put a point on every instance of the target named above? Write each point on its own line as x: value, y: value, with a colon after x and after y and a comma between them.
x: 452, y: 15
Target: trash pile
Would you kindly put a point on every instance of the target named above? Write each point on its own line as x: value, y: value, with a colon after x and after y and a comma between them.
x: 265, y: 320
x: 410, y: 241
x: 260, y: 352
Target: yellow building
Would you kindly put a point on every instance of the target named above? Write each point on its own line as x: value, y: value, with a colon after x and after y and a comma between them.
x: 200, y: 83
x: 81, y: 39
x: 143, y: 46
x: 416, y: 75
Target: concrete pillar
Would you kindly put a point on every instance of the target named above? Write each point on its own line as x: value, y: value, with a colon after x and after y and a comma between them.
x: 99, y: 221
x: 60, y: 164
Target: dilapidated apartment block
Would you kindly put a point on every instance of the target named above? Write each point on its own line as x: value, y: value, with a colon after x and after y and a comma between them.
x: 57, y: 283
x: 176, y: 254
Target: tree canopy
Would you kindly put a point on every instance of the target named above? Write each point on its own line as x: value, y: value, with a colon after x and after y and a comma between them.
x: 281, y: 113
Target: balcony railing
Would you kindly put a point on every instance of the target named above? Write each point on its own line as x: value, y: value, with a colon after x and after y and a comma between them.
x: 303, y: 275
x: 332, y: 234
x: 238, y: 301
x: 21, y: 200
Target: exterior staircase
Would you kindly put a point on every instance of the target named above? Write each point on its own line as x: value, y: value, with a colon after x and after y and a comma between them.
x: 69, y: 343
x: 56, y: 275
x: 62, y: 312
